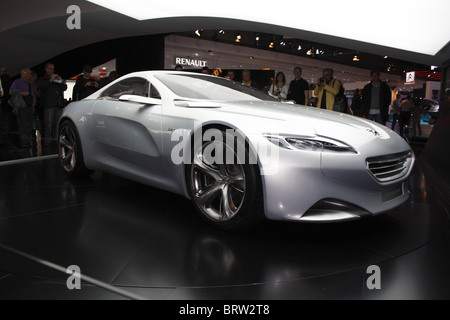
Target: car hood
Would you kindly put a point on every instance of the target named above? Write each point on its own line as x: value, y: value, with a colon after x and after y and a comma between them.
x: 292, y: 119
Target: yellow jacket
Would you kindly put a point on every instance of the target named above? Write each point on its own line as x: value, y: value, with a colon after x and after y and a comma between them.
x: 332, y: 89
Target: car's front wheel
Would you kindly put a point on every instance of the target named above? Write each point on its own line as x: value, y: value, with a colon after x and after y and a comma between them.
x: 225, y: 188
x: 70, y: 152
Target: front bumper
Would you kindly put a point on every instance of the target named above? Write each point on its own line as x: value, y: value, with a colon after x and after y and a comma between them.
x: 329, y: 187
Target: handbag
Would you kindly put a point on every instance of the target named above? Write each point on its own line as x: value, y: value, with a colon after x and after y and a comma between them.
x: 29, y: 98
x: 60, y: 102
x: 340, y: 101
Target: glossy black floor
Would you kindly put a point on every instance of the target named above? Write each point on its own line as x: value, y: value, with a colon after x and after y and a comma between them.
x: 139, y: 242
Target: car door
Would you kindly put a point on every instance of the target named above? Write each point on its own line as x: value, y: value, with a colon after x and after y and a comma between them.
x: 127, y: 128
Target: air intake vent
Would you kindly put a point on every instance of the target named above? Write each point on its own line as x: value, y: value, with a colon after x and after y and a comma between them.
x: 391, y: 167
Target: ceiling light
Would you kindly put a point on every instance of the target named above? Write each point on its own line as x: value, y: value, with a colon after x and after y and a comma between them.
x: 417, y: 39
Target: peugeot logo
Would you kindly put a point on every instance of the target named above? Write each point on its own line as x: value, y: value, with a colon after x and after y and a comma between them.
x: 375, y: 133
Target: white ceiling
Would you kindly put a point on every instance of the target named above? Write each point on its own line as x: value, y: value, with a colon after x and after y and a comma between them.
x: 348, y: 19
x: 31, y: 33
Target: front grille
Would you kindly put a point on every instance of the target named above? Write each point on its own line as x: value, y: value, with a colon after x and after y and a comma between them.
x: 391, y: 167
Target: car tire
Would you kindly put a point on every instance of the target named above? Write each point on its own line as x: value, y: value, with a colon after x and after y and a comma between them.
x: 228, y: 196
x: 70, y: 151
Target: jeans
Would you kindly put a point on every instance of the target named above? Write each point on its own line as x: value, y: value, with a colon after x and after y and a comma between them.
x: 395, y: 118
x: 6, y: 117
x: 51, y: 117
x: 3, y: 134
x: 374, y: 117
x: 25, y: 126
x: 404, y: 120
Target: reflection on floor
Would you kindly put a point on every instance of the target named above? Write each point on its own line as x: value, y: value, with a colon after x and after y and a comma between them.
x: 148, y: 243
x: 11, y: 149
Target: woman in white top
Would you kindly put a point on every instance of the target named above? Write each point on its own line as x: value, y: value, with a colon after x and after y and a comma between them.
x: 280, y: 88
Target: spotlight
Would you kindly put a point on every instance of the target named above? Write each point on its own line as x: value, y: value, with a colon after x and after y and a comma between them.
x: 271, y: 45
x: 309, y: 53
x: 355, y: 58
x: 198, y: 32
x: 221, y: 31
x: 282, y: 43
x: 299, y: 48
x: 257, y: 38
x: 238, y: 38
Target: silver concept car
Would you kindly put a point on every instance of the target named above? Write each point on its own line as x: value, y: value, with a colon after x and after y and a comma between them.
x: 238, y: 154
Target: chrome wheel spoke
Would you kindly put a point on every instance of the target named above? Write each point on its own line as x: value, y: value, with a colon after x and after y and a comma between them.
x: 205, y: 168
x: 68, y: 157
x: 206, y: 196
x: 67, y: 148
x: 227, y: 206
x: 64, y: 142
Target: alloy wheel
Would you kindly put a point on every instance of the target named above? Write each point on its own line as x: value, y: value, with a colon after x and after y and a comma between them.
x: 218, y: 187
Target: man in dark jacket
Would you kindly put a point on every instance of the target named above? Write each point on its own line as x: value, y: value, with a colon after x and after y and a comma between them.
x: 51, y: 88
x: 376, y: 99
x: 6, y: 110
x: 85, y: 85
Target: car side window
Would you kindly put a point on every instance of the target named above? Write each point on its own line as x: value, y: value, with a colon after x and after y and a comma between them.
x: 131, y: 86
x: 154, y: 93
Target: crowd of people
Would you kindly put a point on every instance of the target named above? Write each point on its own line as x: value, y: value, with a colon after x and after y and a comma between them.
x: 37, y: 103
x: 373, y: 102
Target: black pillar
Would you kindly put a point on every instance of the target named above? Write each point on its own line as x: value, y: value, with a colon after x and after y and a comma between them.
x: 140, y: 54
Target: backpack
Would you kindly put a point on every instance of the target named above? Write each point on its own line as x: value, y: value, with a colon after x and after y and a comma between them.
x: 340, y: 101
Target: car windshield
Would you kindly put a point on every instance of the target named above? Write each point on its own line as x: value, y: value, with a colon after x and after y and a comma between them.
x: 210, y: 88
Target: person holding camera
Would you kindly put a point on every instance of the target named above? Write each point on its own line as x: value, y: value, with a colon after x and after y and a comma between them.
x: 326, y: 89
x: 85, y: 85
x: 51, y: 88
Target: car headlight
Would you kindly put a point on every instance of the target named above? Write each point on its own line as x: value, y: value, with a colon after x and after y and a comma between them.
x: 317, y: 143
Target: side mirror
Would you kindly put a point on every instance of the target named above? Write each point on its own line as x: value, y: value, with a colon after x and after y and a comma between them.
x: 139, y: 99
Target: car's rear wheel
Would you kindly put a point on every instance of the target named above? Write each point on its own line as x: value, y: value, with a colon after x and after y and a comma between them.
x: 225, y: 188
x: 70, y: 152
